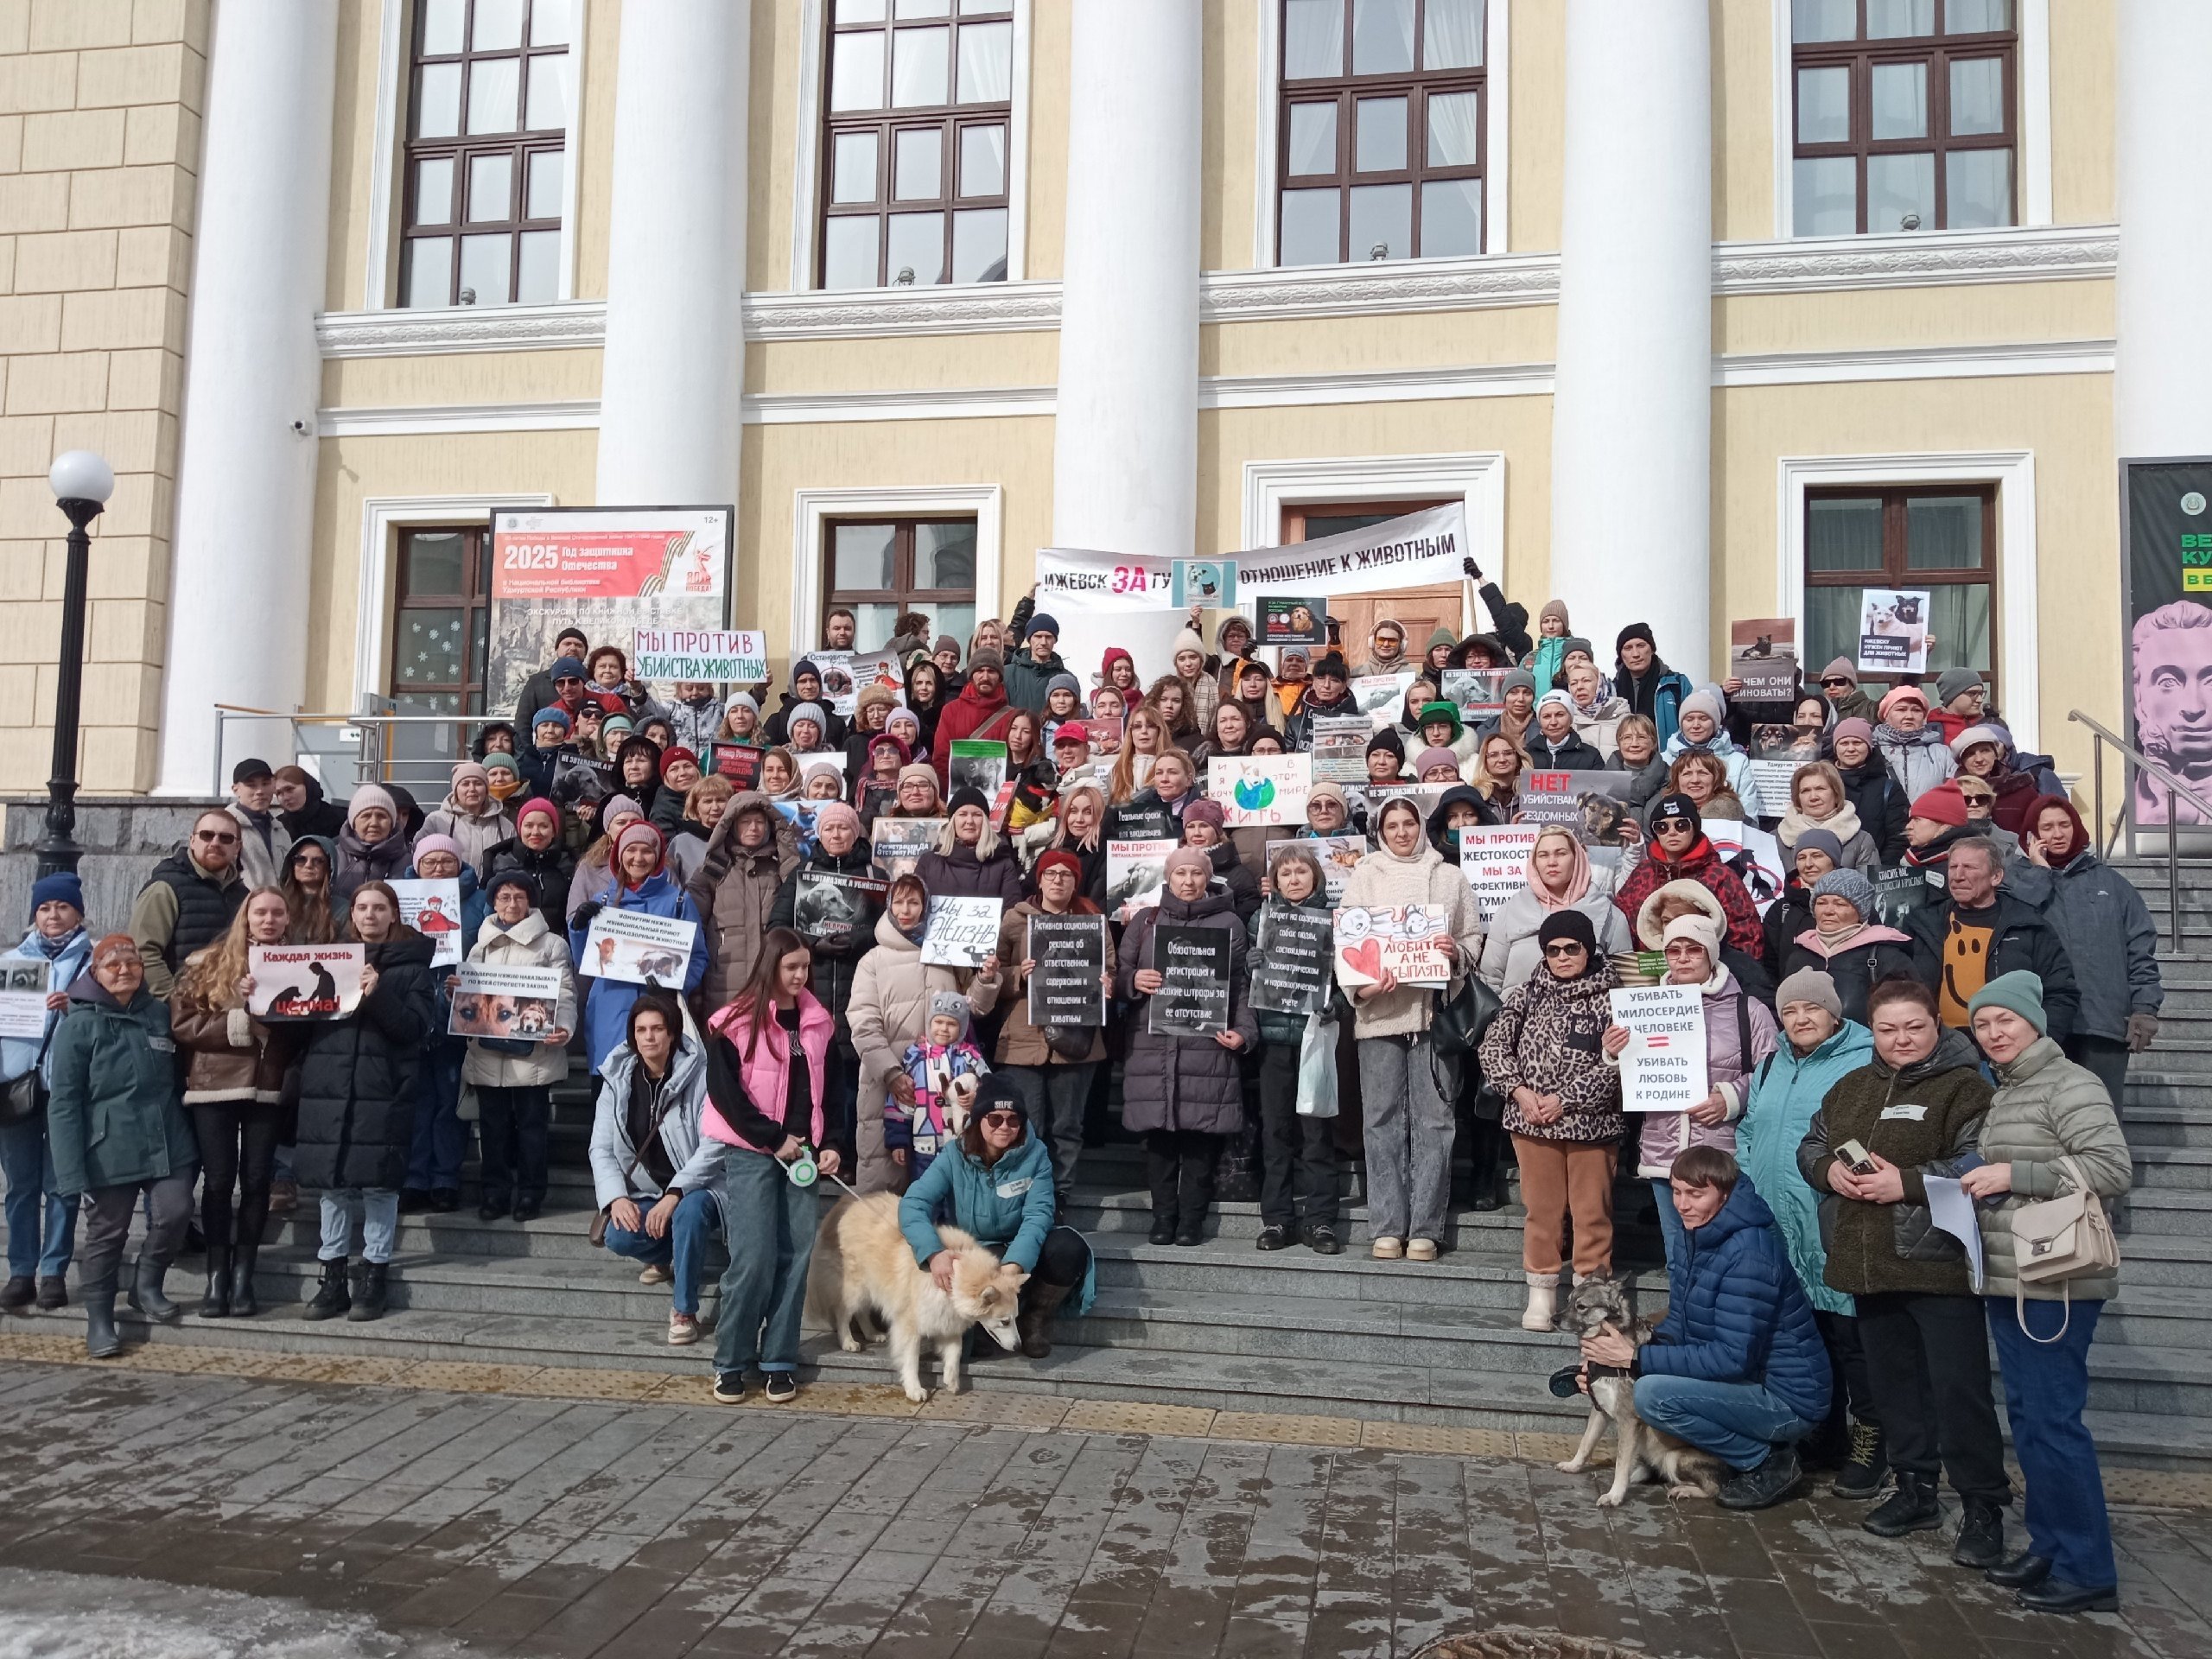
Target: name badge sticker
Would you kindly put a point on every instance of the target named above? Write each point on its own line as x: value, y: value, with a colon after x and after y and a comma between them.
x: 1014, y: 1189
x: 1910, y: 1114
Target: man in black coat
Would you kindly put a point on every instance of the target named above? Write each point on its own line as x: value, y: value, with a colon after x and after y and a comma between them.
x: 1982, y: 932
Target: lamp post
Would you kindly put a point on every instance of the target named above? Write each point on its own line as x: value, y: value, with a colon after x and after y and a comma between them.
x: 82, y: 483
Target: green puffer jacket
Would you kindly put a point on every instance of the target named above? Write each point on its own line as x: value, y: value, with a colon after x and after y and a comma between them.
x: 117, y: 1113
x: 1925, y: 1118
x: 2048, y: 1107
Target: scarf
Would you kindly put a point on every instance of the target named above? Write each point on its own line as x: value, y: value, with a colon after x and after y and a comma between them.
x: 1578, y: 879
x: 1832, y: 942
x: 1843, y: 824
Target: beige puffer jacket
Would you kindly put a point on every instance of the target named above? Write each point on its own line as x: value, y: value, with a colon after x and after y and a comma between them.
x: 2048, y: 1107
x: 527, y: 944
x: 1383, y: 878
x: 733, y: 890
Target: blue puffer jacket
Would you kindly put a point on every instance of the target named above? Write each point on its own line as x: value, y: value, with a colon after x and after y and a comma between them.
x: 1743, y: 1317
x: 1786, y: 1091
x: 606, y: 1003
x: 68, y: 957
x: 1007, y: 1206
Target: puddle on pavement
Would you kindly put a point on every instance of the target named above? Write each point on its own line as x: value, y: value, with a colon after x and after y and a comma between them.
x: 85, y: 1616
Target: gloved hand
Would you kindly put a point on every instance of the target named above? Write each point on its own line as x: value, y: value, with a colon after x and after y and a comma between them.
x: 2142, y: 1032
x: 584, y: 914
x: 1473, y: 570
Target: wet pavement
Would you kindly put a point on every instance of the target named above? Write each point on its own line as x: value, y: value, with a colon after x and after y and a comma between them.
x: 409, y: 1520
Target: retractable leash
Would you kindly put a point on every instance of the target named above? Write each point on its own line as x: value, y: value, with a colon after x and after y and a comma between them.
x: 803, y: 1170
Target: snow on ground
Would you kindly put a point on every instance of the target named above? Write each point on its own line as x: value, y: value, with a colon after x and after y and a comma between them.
x: 71, y: 1616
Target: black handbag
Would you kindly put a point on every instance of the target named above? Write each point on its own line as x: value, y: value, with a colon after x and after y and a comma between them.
x: 1461, y: 1019
x: 24, y: 1098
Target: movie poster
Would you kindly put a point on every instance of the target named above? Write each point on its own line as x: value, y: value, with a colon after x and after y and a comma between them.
x: 2166, y: 562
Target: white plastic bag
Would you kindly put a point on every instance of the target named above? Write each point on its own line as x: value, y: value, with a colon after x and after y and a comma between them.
x: 1317, y: 1068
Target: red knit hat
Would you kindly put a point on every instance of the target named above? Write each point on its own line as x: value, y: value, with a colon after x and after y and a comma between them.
x: 1942, y: 804
x: 1060, y: 858
x: 674, y: 753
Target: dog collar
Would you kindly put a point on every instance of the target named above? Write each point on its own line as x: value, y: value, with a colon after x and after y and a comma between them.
x: 1593, y: 1371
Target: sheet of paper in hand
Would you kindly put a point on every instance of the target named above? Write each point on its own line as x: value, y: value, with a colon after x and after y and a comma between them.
x: 433, y: 909
x: 1594, y: 805
x: 830, y: 908
x: 898, y: 843
x: 1763, y: 654
x: 1340, y: 856
x: 1293, y: 620
x: 1478, y: 693
x: 1494, y: 857
x: 1662, y: 1068
x: 304, y: 982
x: 519, y: 1004
x: 1339, y: 752
x: 1771, y: 778
x: 977, y: 764
x: 1260, y: 788
x: 1379, y: 696
x: 1893, y: 630
x: 960, y: 932
x: 1193, y: 1000
x: 1413, y: 941
x: 23, y: 999
x: 1290, y: 952
x: 1136, y: 871
x: 635, y: 946
x: 1069, y: 952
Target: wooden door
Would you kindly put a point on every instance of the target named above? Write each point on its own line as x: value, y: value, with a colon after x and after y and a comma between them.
x: 1421, y: 611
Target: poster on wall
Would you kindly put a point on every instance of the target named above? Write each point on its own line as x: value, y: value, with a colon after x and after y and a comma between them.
x: 2166, y: 564
x: 607, y: 570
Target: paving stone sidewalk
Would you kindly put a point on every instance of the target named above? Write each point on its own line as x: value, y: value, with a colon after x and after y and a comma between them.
x: 559, y: 1527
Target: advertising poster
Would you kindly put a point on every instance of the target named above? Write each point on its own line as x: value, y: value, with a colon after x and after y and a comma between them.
x: 1258, y: 789
x: 1893, y: 631
x: 304, y: 982
x: 729, y: 657
x: 1413, y: 941
x: 607, y: 570
x: 23, y: 999
x: 1662, y: 1068
x: 1340, y: 856
x: 1066, y: 988
x: 1478, y: 693
x: 433, y: 909
x: 1594, y: 805
x: 1210, y: 584
x: 519, y: 1004
x: 1763, y: 654
x: 2167, y: 563
x: 637, y: 947
x: 830, y: 907
x: 1379, y: 697
x: 1494, y: 860
x: 977, y: 763
x: 960, y: 932
x: 1290, y: 959
x: 1291, y: 619
x: 1193, y: 1001
x: 898, y: 843
x: 1136, y: 872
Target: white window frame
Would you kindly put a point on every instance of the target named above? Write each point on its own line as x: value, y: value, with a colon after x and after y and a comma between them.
x: 382, y: 517
x: 2033, y: 160
x: 1497, y: 127
x: 380, y: 284
x: 813, y: 509
x: 813, y: 28
x: 2016, y: 609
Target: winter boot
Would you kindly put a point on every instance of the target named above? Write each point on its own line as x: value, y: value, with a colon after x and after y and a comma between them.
x: 1867, y: 1466
x: 1765, y: 1486
x: 146, y: 1290
x: 19, y: 1292
x: 370, y: 1301
x: 332, y: 1299
x: 1037, y: 1317
x: 1981, y: 1535
x: 52, y: 1292
x: 101, y: 1341
x: 1542, y: 1312
x: 215, y: 1302
x: 244, y: 1304
x: 1912, y: 1507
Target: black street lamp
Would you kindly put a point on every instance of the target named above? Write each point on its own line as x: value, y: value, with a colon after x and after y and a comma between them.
x: 82, y: 483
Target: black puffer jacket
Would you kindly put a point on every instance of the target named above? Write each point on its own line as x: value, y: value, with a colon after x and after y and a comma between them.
x: 1879, y: 800
x: 357, y: 1075
x: 1236, y: 879
x: 555, y: 868
x: 960, y: 874
x: 1183, y: 1083
x: 834, y: 953
x: 320, y: 816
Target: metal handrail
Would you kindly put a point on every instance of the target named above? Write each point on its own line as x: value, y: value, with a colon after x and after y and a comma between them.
x: 2133, y: 762
x: 373, y: 760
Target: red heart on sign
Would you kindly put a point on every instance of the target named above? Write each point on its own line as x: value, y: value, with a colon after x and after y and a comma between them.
x: 1365, y: 957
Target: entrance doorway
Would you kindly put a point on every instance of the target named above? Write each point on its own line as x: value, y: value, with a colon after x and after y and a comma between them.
x: 1421, y: 611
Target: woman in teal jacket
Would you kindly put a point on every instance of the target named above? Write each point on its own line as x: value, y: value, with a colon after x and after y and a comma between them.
x: 1820, y: 1047
x: 997, y: 1185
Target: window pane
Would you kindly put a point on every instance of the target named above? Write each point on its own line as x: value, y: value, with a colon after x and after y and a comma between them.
x: 1832, y: 623
x: 491, y: 188
x: 546, y: 169
x: 986, y: 63
x: 921, y: 66
x: 1383, y: 219
x: 1900, y: 100
x: 433, y: 191
x: 904, y: 9
x: 1977, y: 96
x: 1824, y: 193
x: 852, y: 167
x: 537, y: 267
x: 860, y: 557
x: 1380, y: 136
x: 428, y: 650
x: 1843, y: 535
x: 1823, y: 20
x: 1979, y: 186
x: 848, y: 251
x: 916, y: 243
x: 494, y: 86
x: 1451, y: 216
x: 437, y: 101
x: 1312, y: 138
x: 860, y: 11
x: 872, y: 625
x: 1310, y: 224
x: 979, y: 245
x: 549, y: 22
x: 985, y: 7
x: 483, y: 268
x: 982, y: 161
x: 499, y: 26
x: 1452, y: 35
x: 1454, y: 129
x: 856, y: 71
x: 920, y: 173
x: 1977, y: 16
x: 1824, y: 105
x: 958, y: 620
x: 1958, y: 615
x: 427, y: 279
x: 1313, y: 38
x: 1942, y: 532
x: 1901, y: 193
x: 1381, y: 36
x: 549, y: 94
x: 441, y: 22
x: 1892, y: 19
x: 944, y: 554
x: 436, y: 562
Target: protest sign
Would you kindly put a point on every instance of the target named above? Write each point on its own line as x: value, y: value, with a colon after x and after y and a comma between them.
x: 1785, y: 743
x: 830, y: 908
x: 1893, y: 630
x: 1763, y: 654
x: 1379, y: 697
x: 304, y: 982
x: 1339, y: 751
x: 740, y: 763
x: 1771, y: 778
x: 637, y: 947
x: 1260, y: 788
x: 1153, y: 822
x: 1752, y: 854
x: 518, y: 1004
x: 736, y: 657
x: 1136, y: 871
x: 1413, y: 941
x: 977, y: 764
x: 1494, y: 857
x: 899, y: 842
x: 800, y: 815
x: 1105, y: 737
x: 1291, y: 951
x: 1340, y: 856
x: 433, y: 909
x: 1425, y: 799
x: 1208, y: 582
x: 846, y: 674
x: 1292, y: 619
x: 1899, y: 890
x: 1663, y: 1069
x: 961, y: 932
x: 1193, y: 1000
x: 23, y: 999
x: 1064, y: 988
x: 1594, y: 805
x: 1477, y: 693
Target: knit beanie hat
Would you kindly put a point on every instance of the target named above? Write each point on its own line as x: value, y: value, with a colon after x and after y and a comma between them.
x: 1435, y: 757
x: 369, y: 795
x: 945, y: 642
x: 836, y: 812
x: 1575, y: 642
x: 615, y: 805
x: 1942, y: 804
x: 742, y: 700
x: 1841, y: 669
x: 1388, y: 741
x: 966, y: 795
x: 538, y: 803
x: 1706, y: 704
x: 1851, y: 886
x: 551, y: 714
x: 888, y: 739
x: 1559, y: 699
x: 950, y: 1005
x: 1821, y: 840
x: 1519, y: 679
x: 2020, y: 991
x: 634, y: 835
x: 1189, y: 640
x: 61, y: 887
x: 917, y: 772
x: 501, y: 760
x: 987, y: 658
x: 1972, y: 735
x: 1443, y: 636
x: 111, y: 945
x: 616, y: 727
x: 1902, y: 693
x: 1698, y: 926
x: 1635, y: 631
x: 568, y: 668
x: 1955, y: 682
x: 1809, y: 985
x: 510, y: 878
x: 904, y: 719
x: 1191, y: 858
x: 1554, y: 607
x: 1043, y: 622
x: 464, y: 770
x: 1060, y: 858
x: 427, y: 844
x: 1327, y: 790
x: 1204, y: 811
x: 1854, y: 727
x: 807, y: 711
x: 1567, y: 924
x: 1677, y: 806
x: 1063, y: 681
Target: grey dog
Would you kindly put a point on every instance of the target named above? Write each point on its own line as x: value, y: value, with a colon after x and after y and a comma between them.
x: 1639, y: 1448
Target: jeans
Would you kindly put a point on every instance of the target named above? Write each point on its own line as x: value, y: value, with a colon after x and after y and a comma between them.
x: 2107, y: 1057
x: 238, y: 1149
x: 682, y: 1249
x: 1927, y: 1360
x: 1675, y: 1236
x: 516, y: 1125
x: 439, y: 1138
x: 1053, y: 1097
x: 27, y: 1162
x: 771, y: 1242
x: 1408, y: 1134
x: 2046, y: 1385
x: 1738, y: 1423
x: 169, y: 1212
x: 380, y: 1211
x: 1297, y: 1183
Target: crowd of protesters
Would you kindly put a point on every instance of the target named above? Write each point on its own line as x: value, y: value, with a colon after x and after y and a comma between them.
x: 1981, y: 1032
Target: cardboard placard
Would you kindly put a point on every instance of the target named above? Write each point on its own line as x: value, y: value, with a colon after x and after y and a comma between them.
x: 1662, y: 1068
x: 1194, y: 963
x: 961, y: 932
x: 1292, y: 619
x: 830, y: 908
x: 1260, y: 788
x: 1339, y: 748
x: 1899, y: 890
x: 304, y: 982
x: 1136, y: 873
x: 1340, y: 856
x: 1379, y: 697
x: 1494, y: 857
x: 977, y: 763
x: 637, y: 947
x: 1291, y: 952
x: 899, y: 842
x: 433, y: 909
x: 1893, y: 630
x: 1413, y: 941
x: 23, y: 983
x: 1763, y: 654
x: 731, y: 656
x: 1069, y: 952
x: 1594, y: 805
x: 518, y: 1004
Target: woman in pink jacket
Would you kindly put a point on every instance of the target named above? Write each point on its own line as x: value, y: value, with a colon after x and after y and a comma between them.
x: 766, y: 1056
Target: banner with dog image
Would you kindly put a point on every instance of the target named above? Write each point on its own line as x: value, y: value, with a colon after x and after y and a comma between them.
x: 304, y: 982
x: 433, y: 909
x: 635, y: 946
x: 1412, y: 942
x: 1893, y: 630
x: 830, y: 907
x: 1260, y: 788
x: 846, y: 674
x: 1293, y: 620
x: 518, y: 1004
x: 1380, y: 696
x: 1662, y: 1068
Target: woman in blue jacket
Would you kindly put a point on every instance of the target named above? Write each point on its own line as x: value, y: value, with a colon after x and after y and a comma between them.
x: 997, y: 1185
x: 38, y: 1255
x: 641, y: 882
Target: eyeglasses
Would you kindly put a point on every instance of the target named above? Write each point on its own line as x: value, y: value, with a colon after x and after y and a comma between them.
x: 216, y: 836
x: 1003, y: 1120
x: 1563, y: 947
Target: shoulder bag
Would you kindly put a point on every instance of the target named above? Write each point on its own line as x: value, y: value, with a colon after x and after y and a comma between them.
x: 24, y: 1099
x: 2055, y: 1240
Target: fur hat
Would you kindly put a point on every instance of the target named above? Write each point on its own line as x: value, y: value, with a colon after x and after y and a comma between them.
x: 1850, y: 885
x: 874, y: 696
x: 1700, y: 928
x: 2020, y: 991
x: 1809, y: 985
x: 1650, y: 932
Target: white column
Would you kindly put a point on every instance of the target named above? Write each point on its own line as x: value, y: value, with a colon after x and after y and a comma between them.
x: 1125, y: 440
x: 2165, y: 229
x: 1631, y: 408
x: 675, y: 359
x: 237, y: 615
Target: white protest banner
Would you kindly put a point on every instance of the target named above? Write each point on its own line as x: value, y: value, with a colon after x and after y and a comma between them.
x: 1754, y: 854
x: 960, y: 931
x: 1772, y: 778
x: 304, y: 982
x: 1494, y: 857
x: 1136, y: 871
x: 1380, y: 696
x: 433, y: 909
x: 1662, y: 1068
x: 22, y: 998
x: 635, y: 946
x: 1260, y: 788
x: 735, y: 656
x: 1413, y: 941
x: 516, y: 1004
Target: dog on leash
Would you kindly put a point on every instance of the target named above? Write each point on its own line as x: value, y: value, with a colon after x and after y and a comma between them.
x: 1639, y: 1448
x: 863, y: 1266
